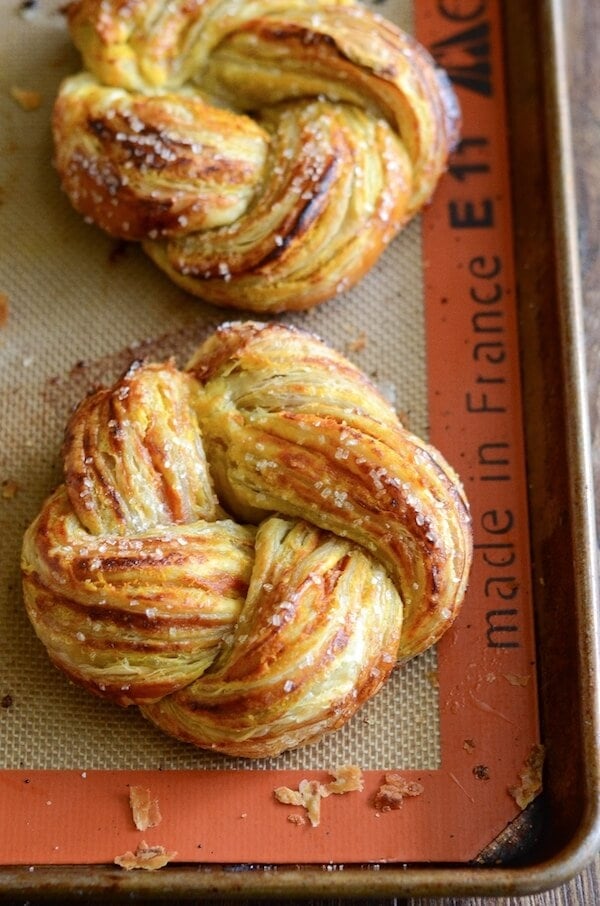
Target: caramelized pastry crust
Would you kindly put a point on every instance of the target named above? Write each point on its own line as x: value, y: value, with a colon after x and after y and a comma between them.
x: 352, y: 125
x: 247, y: 548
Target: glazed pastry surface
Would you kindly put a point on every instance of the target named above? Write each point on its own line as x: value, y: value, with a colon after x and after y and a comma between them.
x: 264, y: 153
x: 247, y: 548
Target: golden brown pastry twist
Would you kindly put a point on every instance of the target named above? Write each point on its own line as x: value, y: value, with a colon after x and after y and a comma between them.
x: 351, y: 546
x: 351, y: 131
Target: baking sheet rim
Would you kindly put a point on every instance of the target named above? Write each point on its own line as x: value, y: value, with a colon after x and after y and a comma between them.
x: 436, y: 880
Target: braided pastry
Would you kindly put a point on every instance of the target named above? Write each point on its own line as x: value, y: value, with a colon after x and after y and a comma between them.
x: 352, y: 128
x: 247, y: 548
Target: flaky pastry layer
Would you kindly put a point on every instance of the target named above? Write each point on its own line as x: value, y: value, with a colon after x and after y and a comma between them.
x: 264, y: 153
x: 247, y: 548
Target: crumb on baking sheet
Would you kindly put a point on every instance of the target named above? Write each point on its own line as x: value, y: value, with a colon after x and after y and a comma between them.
x: 26, y: 98
x: 469, y: 745
x: 296, y: 819
x: 3, y: 309
x: 147, y: 857
x: 347, y: 779
x: 358, y: 343
x: 9, y: 488
x: 144, y: 808
x: 394, y: 790
x: 433, y: 678
x: 308, y: 795
x: 530, y: 778
x: 517, y: 679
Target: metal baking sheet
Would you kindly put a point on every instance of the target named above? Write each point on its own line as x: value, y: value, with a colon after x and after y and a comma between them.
x: 545, y: 387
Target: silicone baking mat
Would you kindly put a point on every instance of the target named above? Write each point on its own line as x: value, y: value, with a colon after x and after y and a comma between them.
x: 435, y: 326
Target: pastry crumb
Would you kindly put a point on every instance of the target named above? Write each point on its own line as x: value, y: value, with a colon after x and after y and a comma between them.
x: 287, y: 796
x: 347, y: 779
x: 530, y: 777
x: 144, y: 809
x: 433, y: 678
x: 147, y: 857
x: 296, y: 819
x: 9, y: 488
x: 516, y: 679
x: 394, y: 790
x: 308, y: 795
x: 26, y: 98
x: 358, y: 343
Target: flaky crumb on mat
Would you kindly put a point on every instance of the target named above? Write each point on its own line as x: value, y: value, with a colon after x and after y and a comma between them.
x: 347, y: 779
x: 394, y: 790
x: 144, y: 808
x: 530, y: 777
x: 358, y: 343
x: 517, y: 679
x: 9, y: 488
x: 3, y: 309
x: 433, y: 678
x: 147, y: 857
x: 25, y: 98
x: 296, y: 819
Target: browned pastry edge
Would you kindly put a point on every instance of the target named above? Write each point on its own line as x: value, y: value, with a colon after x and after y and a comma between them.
x: 354, y: 547
x: 211, y: 194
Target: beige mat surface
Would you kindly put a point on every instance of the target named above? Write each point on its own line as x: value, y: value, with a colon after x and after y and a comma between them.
x: 80, y: 308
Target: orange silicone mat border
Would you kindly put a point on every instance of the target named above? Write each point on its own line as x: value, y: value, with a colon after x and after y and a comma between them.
x: 487, y: 683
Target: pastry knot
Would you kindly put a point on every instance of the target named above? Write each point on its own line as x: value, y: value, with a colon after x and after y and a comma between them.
x: 247, y: 548
x: 264, y: 153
